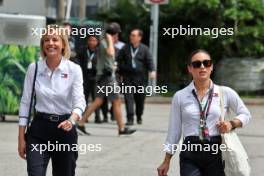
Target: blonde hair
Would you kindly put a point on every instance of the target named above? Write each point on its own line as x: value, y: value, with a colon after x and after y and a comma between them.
x: 63, y: 33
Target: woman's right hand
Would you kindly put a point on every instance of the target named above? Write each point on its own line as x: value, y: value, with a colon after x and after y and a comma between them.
x: 163, y: 168
x: 22, y: 147
x: 21, y: 142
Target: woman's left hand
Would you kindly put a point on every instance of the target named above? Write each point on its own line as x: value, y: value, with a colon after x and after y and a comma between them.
x: 224, y: 126
x: 65, y: 125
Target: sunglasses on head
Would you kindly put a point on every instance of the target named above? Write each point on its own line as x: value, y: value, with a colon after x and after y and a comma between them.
x: 198, y: 64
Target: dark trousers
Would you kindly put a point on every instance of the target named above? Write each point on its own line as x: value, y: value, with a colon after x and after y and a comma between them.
x: 43, y: 133
x: 132, y: 99
x: 89, y: 90
x: 201, y: 163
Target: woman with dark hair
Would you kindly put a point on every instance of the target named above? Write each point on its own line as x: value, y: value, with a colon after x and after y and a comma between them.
x: 195, y: 114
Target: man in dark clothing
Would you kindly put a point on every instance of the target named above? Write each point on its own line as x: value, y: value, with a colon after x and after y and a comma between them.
x: 134, y: 61
x: 88, y: 59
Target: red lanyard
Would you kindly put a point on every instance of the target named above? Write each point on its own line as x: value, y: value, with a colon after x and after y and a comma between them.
x: 203, y: 116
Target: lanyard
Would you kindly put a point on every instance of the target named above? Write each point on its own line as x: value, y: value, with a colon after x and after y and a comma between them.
x: 90, y: 56
x: 133, y: 54
x: 204, y: 132
x: 204, y: 115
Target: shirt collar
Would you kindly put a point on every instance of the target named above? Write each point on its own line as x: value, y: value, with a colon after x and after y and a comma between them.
x: 44, y: 66
x: 191, y: 86
x: 136, y: 47
x: 88, y: 49
x: 62, y: 64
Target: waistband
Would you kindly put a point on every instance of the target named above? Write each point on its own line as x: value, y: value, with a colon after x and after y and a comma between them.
x: 211, y: 139
x: 52, y: 117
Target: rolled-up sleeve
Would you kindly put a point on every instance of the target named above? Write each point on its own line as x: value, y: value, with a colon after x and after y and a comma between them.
x: 238, y: 106
x: 26, y: 96
x: 78, y: 93
x: 175, y: 126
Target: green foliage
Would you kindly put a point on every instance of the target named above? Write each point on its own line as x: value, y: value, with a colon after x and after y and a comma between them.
x: 129, y: 15
x: 9, y: 102
x: 14, y: 61
x: 246, y: 17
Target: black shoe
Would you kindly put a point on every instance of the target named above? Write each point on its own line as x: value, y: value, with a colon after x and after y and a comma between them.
x: 139, y: 121
x: 129, y: 123
x: 98, y: 121
x: 105, y: 120
x: 126, y: 131
x: 81, y: 129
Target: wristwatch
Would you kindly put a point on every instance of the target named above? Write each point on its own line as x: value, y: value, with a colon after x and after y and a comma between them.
x: 71, y: 119
x: 232, y: 124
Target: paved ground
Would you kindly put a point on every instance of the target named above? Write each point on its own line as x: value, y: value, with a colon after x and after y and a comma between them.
x: 137, y: 155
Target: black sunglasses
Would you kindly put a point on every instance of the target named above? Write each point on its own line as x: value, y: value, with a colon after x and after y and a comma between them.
x: 198, y: 64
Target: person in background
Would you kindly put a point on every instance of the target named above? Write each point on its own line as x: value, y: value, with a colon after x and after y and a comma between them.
x: 59, y: 104
x: 106, y: 79
x: 88, y: 56
x: 195, y: 114
x: 72, y: 42
x: 118, y: 45
x: 134, y: 60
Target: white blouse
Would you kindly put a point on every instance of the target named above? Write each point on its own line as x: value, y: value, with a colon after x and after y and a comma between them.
x: 185, y: 113
x: 58, y: 92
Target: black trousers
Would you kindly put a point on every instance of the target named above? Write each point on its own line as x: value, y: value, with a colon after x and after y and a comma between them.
x: 43, y: 133
x: 132, y: 99
x: 202, y: 163
x: 89, y: 91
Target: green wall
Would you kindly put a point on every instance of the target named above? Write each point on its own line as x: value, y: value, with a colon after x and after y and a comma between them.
x: 14, y: 61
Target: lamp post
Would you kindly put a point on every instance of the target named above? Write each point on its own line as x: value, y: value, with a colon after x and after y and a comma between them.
x: 153, y: 38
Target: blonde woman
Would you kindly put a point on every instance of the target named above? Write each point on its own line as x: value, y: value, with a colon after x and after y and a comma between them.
x: 59, y: 103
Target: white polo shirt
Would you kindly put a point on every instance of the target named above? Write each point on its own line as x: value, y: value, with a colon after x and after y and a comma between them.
x: 58, y: 92
x: 185, y: 113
